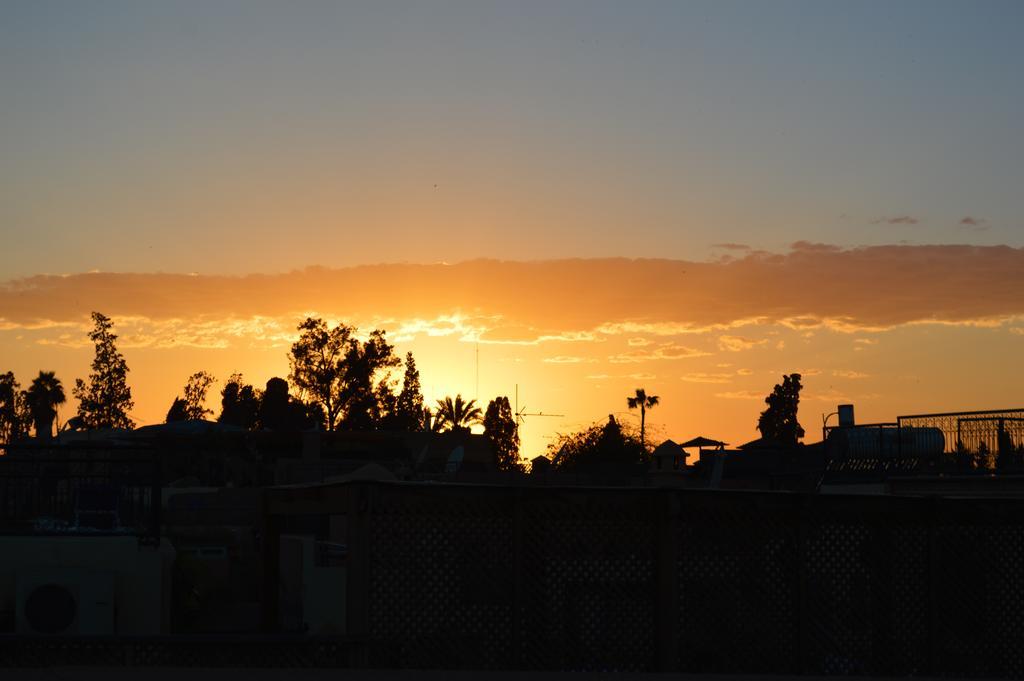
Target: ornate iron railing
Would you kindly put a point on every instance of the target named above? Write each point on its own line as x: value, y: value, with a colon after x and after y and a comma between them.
x: 970, y: 431
x: 91, y: 490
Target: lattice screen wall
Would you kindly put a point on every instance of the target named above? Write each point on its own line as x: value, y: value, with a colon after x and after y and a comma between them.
x: 589, y: 579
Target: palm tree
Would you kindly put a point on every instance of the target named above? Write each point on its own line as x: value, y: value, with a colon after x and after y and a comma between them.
x: 458, y: 414
x: 45, y: 393
x: 643, y: 402
x: 428, y: 423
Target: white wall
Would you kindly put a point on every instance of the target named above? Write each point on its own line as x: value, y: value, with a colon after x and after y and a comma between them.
x: 142, y: 574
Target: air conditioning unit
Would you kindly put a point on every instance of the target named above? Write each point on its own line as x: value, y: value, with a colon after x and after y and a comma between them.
x: 68, y: 601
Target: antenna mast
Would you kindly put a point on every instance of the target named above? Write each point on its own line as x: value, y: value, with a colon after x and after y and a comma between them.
x: 521, y: 414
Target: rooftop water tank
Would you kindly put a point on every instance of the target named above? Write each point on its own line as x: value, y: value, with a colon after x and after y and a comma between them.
x: 845, y: 415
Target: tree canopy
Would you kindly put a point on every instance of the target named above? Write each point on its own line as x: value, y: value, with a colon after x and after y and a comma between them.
x: 15, y: 415
x: 280, y: 411
x: 106, y: 399
x: 192, y: 407
x: 239, y: 403
x: 501, y: 430
x: 457, y: 414
x: 408, y: 408
x: 342, y: 375
x: 44, y: 395
x: 598, y: 445
x: 642, y: 401
x: 178, y: 411
x: 779, y: 421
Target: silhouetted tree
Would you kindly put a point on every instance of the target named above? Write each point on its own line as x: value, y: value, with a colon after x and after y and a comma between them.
x: 572, y: 450
x: 642, y: 401
x: 274, y: 411
x: 104, y: 402
x: 195, y: 395
x: 408, y: 414
x: 15, y: 416
x: 308, y: 414
x: 366, y: 382
x: 239, y: 403
x: 457, y: 414
x: 178, y: 411
x: 428, y: 422
x: 778, y: 422
x: 382, y: 410
x: 44, y: 396
x: 600, y: 444
x: 501, y: 429
x: 280, y: 411
x: 339, y: 373
x: 316, y: 359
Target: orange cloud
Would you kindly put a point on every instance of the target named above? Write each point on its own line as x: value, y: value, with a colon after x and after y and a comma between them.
x: 738, y: 343
x: 898, y: 220
x: 976, y: 224
x: 701, y: 377
x: 568, y: 359
x: 848, y: 373
x: 813, y: 285
x: 741, y: 395
x: 669, y: 351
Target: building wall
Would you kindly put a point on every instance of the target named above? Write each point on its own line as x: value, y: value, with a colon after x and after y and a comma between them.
x: 142, y: 574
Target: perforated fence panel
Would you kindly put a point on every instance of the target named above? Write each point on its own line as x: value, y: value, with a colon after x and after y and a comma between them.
x: 737, y: 582
x: 588, y: 597
x: 440, y: 579
x: 690, y: 581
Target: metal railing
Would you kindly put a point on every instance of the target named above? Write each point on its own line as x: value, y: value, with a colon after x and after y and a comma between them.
x: 91, y: 490
x: 980, y: 440
x: 969, y: 431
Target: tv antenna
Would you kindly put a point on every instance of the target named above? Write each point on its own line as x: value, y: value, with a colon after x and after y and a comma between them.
x: 521, y: 414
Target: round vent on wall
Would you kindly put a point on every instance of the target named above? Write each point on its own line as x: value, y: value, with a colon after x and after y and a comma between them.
x: 50, y: 609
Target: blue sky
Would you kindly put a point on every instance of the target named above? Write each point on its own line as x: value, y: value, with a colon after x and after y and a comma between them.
x: 246, y: 136
x: 235, y: 138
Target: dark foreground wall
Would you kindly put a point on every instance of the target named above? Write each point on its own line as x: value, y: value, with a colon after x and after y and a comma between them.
x: 737, y: 582
x: 472, y: 577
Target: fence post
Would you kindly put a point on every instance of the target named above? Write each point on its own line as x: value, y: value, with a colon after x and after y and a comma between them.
x: 156, y: 496
x: 933, y: 611
x: 517, y: 577
x: 883, y: 574
x: 802, y: 625
x: 357, y: 596
x: 270, y: 538
x: 666, y: 592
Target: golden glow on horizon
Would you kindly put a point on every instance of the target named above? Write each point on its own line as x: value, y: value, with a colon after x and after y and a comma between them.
x: 717, y: 392
x: 578, y: 336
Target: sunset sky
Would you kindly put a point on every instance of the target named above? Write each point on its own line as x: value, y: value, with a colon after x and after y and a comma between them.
x: 694, y: 198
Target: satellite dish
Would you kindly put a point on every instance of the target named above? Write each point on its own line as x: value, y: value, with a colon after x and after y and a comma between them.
x: 455, y: 460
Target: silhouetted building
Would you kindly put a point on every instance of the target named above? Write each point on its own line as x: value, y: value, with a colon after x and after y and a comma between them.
x: 668, y: 456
